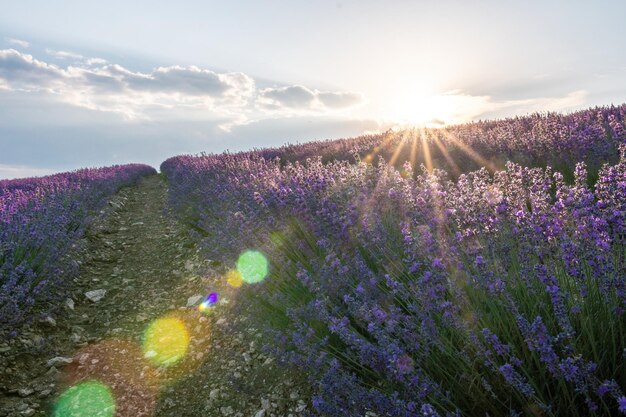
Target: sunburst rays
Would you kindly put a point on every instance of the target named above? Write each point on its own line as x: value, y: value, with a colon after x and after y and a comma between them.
x: 467, y: 150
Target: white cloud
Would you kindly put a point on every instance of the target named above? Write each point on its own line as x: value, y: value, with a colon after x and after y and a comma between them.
x: 299, y: 99
x: 95, y: 61
x: 64, y: 54
x: 191, y: 81
x: 22, y: 71
x: 18, y: 42
x: 173, y: 92
x: 114, y: 88
x: 468, y: 107
x: 294, y: 97
x: 571, y: 100
x: 340, y: 100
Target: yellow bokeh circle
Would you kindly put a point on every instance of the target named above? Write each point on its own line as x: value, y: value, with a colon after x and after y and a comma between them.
x: 166, y: 341
x: 233, y: 277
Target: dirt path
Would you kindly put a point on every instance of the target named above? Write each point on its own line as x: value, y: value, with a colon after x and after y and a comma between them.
x: 150, y: 276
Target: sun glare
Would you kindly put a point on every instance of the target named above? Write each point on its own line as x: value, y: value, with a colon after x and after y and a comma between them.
x: 410, y: 108
x: 424, y: 108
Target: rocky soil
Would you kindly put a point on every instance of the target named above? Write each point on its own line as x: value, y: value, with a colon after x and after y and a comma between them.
x: 138, y: 265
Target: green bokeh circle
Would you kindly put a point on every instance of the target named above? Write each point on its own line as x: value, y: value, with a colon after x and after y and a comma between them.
x: 253, y: 266
x: 87, y: 399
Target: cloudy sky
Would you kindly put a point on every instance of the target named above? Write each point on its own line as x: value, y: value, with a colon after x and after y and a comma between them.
x: 97, y: 83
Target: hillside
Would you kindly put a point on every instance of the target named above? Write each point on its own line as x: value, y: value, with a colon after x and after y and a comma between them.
x: 475, y: 269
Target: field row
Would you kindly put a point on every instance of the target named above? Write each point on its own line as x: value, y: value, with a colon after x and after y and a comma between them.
x: 406, y: 293
x: 41, y: 223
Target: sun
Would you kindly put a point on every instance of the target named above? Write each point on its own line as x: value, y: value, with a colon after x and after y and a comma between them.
x: 420, y: 109
x: 416, y: 105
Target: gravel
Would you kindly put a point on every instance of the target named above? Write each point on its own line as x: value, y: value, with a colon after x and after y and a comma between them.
x: 143, y: 266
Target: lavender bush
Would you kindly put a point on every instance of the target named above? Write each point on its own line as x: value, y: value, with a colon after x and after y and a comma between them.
x: 539, y: 140
x: 41, y: 222
x: 407, y: 293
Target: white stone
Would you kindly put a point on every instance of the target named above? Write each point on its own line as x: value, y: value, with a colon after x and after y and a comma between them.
x: 189, y: 265
x: 59, y: 360
x: 95, y: 295
x: 25, y: 392
x: 226, y: 411
x: 265, y: 403
x: 301, y: 406
x: 193, y: 300
x: 51, y: 321
x: 45, y: 393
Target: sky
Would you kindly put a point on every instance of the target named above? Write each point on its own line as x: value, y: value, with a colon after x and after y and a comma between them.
x: 100, y: 83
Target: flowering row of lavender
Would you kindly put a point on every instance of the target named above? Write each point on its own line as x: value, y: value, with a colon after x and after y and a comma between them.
x: 404, y: 293
x: 41, y: 222
x: 541, y: 139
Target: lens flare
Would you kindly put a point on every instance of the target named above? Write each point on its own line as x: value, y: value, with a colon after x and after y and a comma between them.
x: 87, y: 399
x: 253, y: 266
x: 165, y: 341
x: 121, y: 365
x: 233, y: 277
x: 189, y: 349
x: 209, y: 301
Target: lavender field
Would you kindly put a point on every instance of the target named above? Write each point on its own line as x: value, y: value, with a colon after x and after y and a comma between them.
x: 41, y: 223
x: 470, y: 270
x: 330, y: 208
x: 475, y: 270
